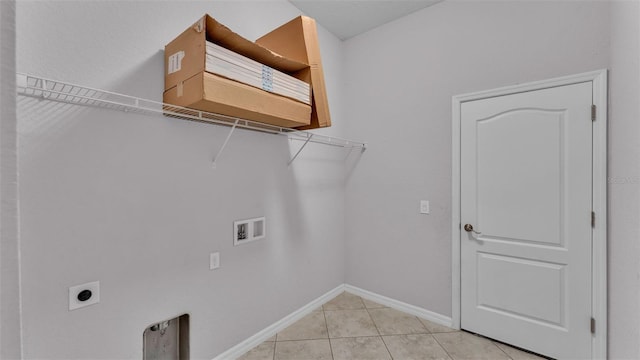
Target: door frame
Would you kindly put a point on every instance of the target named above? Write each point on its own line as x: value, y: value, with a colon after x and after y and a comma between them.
x: 599, y: 195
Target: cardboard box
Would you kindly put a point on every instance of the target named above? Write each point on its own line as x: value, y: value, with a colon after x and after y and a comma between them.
x: 188, y: 84
x: 224, y: 62
x: 298, y: 41
x: 213, y: 93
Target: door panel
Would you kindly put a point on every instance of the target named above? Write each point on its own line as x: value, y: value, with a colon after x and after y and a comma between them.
x: 510, y: 176
x: 536, y: 289
x: 526, y: 187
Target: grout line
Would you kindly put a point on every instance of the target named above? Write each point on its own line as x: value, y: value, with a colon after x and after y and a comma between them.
x: 442, y: 347
x: 298, y: 340
x: 504, y: 352
x: 327, y: 327
x: 251, y: 342
x: 498, y: 343
x: 422, y: 324
x: 377, y: 329
x: 357, y: 337
x: 347, y: 309
x: 386, y: 347
x: 275, y: 343
x: 493, y: 342
x: 374, y: 322
x: 381, y: 336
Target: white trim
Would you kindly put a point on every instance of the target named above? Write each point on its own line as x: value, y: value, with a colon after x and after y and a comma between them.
x: 257, y: 339
x: 599, y: 271
x: 455, y: 213
x: 531, y: 86
x: 599, y: 233
x: 262, y: 336
x: 401, y: 306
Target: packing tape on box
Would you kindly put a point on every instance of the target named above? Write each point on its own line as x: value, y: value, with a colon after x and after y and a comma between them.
x: 199, y: 26
x: 180, y: 88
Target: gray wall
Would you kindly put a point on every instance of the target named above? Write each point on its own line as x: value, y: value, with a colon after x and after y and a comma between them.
x: 10, y: 343
x: 401, y: 78
x: 624, y: 181
x: 133, y: 201
x: 399, y: 82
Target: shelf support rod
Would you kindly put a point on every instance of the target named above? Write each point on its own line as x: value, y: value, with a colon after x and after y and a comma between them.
x: 349, y: 153
x: 43, y: 84
x: 300, y: 150
x: 224, y: 144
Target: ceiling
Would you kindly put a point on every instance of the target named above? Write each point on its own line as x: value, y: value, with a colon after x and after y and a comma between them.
x: 348, y: 18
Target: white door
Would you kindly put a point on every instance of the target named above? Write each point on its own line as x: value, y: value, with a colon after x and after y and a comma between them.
x: 526, y: 185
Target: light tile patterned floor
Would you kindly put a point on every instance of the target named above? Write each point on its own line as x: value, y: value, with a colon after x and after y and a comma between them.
x: 352, y: 328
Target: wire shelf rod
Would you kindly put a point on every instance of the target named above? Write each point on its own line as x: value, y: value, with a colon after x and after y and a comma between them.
x: 53, y: 90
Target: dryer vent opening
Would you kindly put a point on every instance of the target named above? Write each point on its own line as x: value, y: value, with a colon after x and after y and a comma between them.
x: 167, y: 340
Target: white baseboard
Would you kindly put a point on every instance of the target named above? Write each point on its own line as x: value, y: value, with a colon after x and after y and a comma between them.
x: 288, y: 320
x: 401, y: 306
x: 278, y: 326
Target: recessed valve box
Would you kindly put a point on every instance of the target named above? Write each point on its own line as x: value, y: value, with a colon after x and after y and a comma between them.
x: 245, y: 231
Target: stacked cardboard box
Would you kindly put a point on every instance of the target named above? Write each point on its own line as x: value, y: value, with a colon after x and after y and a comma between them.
x: 209, y: 67
x: 234, y: 66
x: 298, y: 40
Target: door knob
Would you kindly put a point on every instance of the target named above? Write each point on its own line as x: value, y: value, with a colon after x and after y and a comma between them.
x: 469, y: 228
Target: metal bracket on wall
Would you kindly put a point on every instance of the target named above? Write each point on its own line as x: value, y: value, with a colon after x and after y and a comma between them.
x: 224, y: 144
x: 307, y: 137
x: 300, y: 150
x: 58, y: 91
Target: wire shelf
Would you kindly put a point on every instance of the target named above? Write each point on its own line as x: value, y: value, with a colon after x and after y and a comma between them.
x: 34, y: 86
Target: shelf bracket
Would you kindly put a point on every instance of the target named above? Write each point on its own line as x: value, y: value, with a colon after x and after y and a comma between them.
x: 224, y: 144
x: 43, y: 84
x: 349, y: 153
x: 300, y: 150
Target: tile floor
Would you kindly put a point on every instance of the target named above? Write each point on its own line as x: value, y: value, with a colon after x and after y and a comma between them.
x: 352, y: 328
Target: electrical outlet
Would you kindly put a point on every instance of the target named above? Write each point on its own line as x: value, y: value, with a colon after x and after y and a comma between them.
x: 84, y: 295
x: 214, y: 260
x: 245, y: 231
x: 424, y: 207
